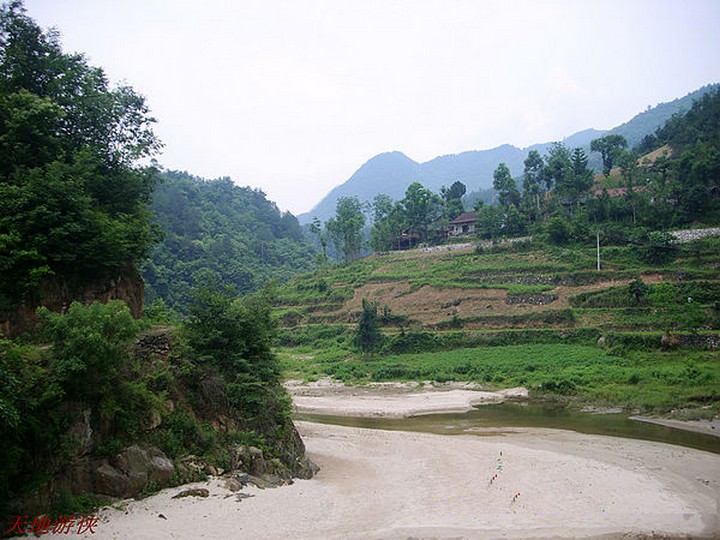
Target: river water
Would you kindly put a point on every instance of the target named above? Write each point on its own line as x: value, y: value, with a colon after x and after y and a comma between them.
x: 501, y: 418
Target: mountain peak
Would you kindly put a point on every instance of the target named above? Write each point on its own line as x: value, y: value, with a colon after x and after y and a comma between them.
x: 391, y: 172
x: 394, y: 157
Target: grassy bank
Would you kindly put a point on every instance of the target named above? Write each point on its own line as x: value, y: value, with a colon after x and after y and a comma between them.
x: 648, y: 381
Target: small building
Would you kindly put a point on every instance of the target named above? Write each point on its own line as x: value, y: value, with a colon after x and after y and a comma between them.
x: 464, y: 224
x: 405, y: 240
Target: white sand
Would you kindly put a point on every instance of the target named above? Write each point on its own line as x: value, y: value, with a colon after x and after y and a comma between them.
x: 402, y: 405
x: 396, y: 485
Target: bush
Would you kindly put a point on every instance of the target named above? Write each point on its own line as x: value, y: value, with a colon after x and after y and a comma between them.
x: 232, y: 340
x: 637, y: 290
x: 42, y: 390
x: 90, y: 348
x: 657, y: 248
x: 558, y: 230
x: 562, y: 387
x: 368, y: 337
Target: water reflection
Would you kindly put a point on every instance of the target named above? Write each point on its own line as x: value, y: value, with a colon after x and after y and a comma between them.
x: 500, y: 419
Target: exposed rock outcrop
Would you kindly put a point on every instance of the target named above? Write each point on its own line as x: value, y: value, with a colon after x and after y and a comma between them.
x: 57, y: 295
x: 127, y: 474
x: 81, y: 466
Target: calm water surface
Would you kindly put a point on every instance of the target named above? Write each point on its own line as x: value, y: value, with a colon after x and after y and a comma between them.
x: 490, y: 419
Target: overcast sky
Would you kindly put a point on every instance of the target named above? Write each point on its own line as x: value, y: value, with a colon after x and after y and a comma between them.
x: 293, y: 96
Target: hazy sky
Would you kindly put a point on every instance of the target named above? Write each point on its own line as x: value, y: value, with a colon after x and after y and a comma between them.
x: 293, y: 96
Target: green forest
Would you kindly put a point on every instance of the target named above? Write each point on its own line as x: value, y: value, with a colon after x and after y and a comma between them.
x: 216, y: 231
x: 79, y: 205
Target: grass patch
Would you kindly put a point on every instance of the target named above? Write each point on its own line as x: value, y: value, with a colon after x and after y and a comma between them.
x: 647, y: 381
x: 560, y: 317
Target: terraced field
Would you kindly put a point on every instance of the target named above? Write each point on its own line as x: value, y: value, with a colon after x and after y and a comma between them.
x: 436, y: 301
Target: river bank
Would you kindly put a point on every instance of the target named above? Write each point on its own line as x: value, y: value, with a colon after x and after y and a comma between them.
x: 507, y: 483
x: 397, y: 400
x: 526, y: 483
x: 393, y: 400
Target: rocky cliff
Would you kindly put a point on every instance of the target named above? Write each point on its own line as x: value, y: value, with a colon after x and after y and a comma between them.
x: 182, y: 439
x: 57, y: 294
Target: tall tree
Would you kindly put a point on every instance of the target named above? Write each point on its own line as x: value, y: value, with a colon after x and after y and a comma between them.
x: 382, y: 205
x: 421, y: 207
x: 388, y: 222
x: 505, y: 186
x: 532, y: 184
x: 629, y: 169
x: 558, y: 166
x: 609, y: 147
x: 580, y: 179
x: 316, y: 229
x: 72, y: 198
x: 452, y: 197
x: 346, y: 227
x: 368, y: 336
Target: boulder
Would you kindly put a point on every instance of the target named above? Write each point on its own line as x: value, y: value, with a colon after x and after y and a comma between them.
x: 161, y: 470
x: 128, y: 473
x: 111, y: 481
x: 193, y: 492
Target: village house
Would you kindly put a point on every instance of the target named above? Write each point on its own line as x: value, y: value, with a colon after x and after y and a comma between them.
x: 464, y: 224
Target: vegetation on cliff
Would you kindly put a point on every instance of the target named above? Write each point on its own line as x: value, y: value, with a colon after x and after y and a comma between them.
x: 106, y: 381
x: 92, y: 382
x: 72, y: 197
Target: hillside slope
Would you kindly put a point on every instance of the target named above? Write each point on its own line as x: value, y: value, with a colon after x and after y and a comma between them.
x: 636, y: 335
x: 216, y: 230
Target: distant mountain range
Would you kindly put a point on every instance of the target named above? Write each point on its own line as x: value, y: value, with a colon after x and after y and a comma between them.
x: 392, y: 172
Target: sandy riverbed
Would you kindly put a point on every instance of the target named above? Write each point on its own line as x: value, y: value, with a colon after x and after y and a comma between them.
x: 384, y: 484
x: 393, y: 400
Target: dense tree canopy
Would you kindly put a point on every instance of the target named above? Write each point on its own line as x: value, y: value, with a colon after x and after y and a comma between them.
x: 216, y: 230
x: 452, y: 200
x: 72, y: 198
x: 505, y: 186
x: 610, y: 148
x: 414, y: 216
x: 422, y: 207
x: 694, y: 170
x: 346, y: 227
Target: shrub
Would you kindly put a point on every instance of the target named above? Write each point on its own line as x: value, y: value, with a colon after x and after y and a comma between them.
x: 558, y: 230
x: 562, y: 387
x: 368, y: 337
x: 658, y: 248
x: 636, y: 291
x: 232, y: 340
x: 90, y: 348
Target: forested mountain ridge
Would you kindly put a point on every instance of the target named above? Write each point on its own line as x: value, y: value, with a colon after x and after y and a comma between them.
x: 392, y: 172
x: 217, y: 231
